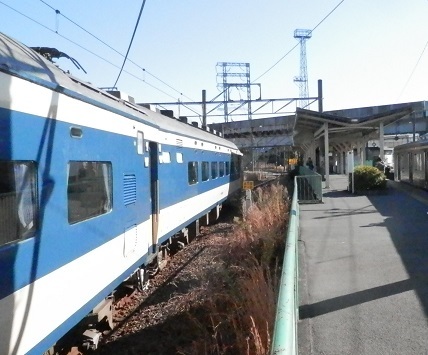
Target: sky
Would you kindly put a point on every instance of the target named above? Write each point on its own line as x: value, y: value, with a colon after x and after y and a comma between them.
x: 366, y: 53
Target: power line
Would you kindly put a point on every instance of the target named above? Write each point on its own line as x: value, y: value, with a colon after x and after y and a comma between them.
x: 85, y: 49
x: 96, y: 55
x: 29, y: 18
x: 413, y: 71
x: 286, y: 54
x: 163, y: 82
x: 130, y: 43
x: 77, y: 25
x: 58, y: 12
x: 276, y: 63
x: 334, y: 9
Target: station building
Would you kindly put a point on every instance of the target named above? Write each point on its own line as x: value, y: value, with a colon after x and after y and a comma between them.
x: 331, y: 133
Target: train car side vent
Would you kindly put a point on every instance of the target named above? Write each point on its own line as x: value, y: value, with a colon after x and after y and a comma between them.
x: 129, y: 189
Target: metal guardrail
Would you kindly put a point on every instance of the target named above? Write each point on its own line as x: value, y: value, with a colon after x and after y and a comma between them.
x: 307, y: 189
x: 309, y: 186
x: 287, y: 312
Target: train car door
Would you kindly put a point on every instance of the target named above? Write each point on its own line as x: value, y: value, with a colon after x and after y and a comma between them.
x: 154, y: 191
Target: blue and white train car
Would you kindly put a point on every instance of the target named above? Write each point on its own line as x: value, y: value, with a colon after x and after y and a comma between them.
x: 90, y: 187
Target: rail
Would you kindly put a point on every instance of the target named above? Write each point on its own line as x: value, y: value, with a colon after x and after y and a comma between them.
x: 287, y: 312
x: 309, y: 186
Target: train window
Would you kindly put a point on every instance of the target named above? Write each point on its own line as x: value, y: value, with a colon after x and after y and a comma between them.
x: 205, y: 170
x: 214, y: 170
x: 18, y: 200
x: 227, y: 168
x: 221, y: 169
x: 179, y: 157
x: 140, y: 142
x: 89, y: 190
x: 192, y: 169
x: 165, y: 158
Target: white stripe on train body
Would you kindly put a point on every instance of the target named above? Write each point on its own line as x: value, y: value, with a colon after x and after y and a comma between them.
x: 55, y: 275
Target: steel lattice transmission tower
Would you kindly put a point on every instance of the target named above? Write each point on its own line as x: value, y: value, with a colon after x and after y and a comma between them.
x: 302, y: 79
x: 234, y: 75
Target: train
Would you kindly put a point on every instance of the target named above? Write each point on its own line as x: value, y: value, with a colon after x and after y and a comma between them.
x: 92, y: 188
x: 411, y: 163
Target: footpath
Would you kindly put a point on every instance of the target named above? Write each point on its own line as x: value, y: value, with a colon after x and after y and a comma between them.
x: 363, y: 264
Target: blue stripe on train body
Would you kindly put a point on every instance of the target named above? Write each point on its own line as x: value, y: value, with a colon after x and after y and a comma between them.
x: 57, y: 244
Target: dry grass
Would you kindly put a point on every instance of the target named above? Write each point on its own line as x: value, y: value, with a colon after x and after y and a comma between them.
x: 240, y: 298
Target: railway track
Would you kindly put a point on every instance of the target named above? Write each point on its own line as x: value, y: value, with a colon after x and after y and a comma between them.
x: 155, y: 314
x: 140, y: 314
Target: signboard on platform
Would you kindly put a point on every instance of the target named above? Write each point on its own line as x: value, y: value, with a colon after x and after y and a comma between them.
x: 248, y: 185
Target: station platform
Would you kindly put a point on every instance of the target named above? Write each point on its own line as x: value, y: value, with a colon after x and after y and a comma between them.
x: 363, y: 272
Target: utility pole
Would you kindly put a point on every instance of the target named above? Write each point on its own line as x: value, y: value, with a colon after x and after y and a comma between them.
x: 204, y: 109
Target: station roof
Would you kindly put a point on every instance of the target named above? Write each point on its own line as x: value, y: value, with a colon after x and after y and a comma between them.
x: 305, y: 126
x: 309, y: 125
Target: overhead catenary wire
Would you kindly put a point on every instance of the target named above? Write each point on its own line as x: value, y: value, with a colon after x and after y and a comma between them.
x: 58, y: 12
x: 413, y: 71
x: 145, y: 71
x: 295, y: 46
x: 130, y: 43
x: 87, y: 50
x: 91, y: 52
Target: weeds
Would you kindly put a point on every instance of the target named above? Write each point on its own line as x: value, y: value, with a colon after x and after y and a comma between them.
x: 238, y: 307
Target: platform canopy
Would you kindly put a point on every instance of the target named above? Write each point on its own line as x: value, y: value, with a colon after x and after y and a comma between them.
x: 340, y: 135
x: 309, y: 126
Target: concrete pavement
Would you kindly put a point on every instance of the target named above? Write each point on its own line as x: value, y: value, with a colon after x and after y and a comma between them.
x: 364, y: 272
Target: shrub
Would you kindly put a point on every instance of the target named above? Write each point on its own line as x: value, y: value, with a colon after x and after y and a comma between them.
x: 369, y: 178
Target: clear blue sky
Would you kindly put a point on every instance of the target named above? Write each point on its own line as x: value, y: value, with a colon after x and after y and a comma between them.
x: 365, y: 51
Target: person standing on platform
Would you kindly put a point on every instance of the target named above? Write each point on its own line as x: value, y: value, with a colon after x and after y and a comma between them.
x: 310, y: 164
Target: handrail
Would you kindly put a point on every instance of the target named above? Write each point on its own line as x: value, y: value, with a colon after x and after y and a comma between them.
x: 287, y: 312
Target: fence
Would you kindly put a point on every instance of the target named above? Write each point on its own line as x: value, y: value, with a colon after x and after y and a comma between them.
x: 309, y: 186
x: 307, y: 189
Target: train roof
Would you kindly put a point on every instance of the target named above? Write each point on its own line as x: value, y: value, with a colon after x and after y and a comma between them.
x: 421, y: 144
x: 24, y: 62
